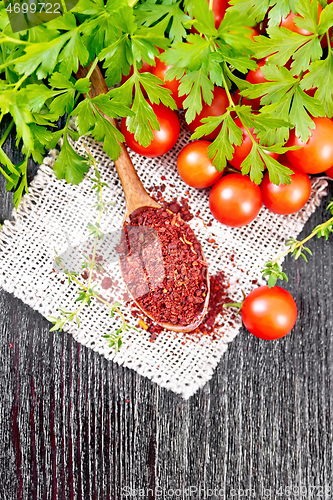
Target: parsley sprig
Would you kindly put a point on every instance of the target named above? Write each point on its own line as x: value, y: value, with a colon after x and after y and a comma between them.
x: 88, y: 292
x: 273, y: 270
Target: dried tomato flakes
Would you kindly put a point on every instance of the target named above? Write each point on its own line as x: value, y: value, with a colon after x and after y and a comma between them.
x: 218, y: 296
x: 163, y: 267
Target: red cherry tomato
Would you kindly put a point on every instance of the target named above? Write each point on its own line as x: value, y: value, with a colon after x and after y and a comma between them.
x: 244, y: 149
x: 286, y: 199
x: 195, y: 167
x: 235, y: 200
x: 329, y: 172
x: 218, y: 107
x: 253, y: 33
x: 289, y: 23
x: 316, y: 155
x: 256, y: 76
x: 269, y: 313
x: 163, y: 139
x: 160, y: 70
x: 219, y: 8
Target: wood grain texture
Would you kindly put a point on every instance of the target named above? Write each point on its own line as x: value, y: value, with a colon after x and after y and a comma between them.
x: 76, y: 426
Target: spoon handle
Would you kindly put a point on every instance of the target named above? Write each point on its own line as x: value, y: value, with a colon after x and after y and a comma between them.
x: 135, y: 194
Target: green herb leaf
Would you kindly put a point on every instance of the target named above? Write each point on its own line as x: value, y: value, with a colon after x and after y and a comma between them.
x: 167, y: 14
x: 70, y: 165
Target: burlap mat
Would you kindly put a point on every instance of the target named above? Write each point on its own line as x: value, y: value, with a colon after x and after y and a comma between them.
x: 55, y: 215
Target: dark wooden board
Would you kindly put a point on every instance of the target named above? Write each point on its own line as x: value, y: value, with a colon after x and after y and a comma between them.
x: 76, y: 426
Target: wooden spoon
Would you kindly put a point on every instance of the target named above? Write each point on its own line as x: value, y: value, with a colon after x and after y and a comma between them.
x: 137, y: 198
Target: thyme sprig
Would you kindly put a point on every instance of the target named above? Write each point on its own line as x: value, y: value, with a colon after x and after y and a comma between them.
x: 297, y: 249
x: 86, y: 293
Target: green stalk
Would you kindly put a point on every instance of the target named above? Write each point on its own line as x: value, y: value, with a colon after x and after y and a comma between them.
x: 20, y: 81
x: 92, y: 67
x: 301, y: 243
x: 231, y: 102
x: 7, y: 132
x: 13, y: 40
x: 6, y: 176
x: 64, y: 7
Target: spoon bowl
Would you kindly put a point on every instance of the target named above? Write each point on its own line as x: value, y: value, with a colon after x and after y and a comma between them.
x: 137, y: 198
x: 135, y: 249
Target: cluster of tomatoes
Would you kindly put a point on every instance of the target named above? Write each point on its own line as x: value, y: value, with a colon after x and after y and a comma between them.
x: 234, y: 200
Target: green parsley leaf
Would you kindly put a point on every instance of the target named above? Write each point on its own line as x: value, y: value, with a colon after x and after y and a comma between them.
x: 107, y: 133
x: 69, y: 165
x: 115, y: 62
x: 167, y: 14
x: 278, y: 173
x: 73, y: 54
x: 255, y: 11
x: 253, y: 165
x: 144, y: 120
x: 197, y: 86
x: 41, y: 57
x: 36, y: 95
x: 321, y: 76
x: 222, y: 148
x: 299, y: 115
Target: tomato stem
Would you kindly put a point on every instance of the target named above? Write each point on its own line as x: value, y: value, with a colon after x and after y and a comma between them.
x: 233, y: 304
x: 254, y: 142
x: 92, y: 67
x: 231, y: 101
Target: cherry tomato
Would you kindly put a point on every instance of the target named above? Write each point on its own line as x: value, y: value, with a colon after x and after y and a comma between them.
x: 316, y: 155
x: 256, y: 76
x: 235, y: 200
x: 160, y: 70
x: 329, y: 172
x: 286, y: 199
x: 269, y: 313
x: 219, y: 8
x: 218, y: 107
x: 163, y: 139
x: 244, y: 149
x: 289, y: 23
x: 195, y: 167
x: 253, y: 33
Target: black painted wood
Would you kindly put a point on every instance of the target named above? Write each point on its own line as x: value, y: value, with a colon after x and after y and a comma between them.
x: 75, y: 426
